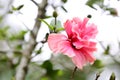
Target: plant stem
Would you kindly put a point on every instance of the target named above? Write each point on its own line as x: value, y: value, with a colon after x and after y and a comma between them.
x: 73, y: 73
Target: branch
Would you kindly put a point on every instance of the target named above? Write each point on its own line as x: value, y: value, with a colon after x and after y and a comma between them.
x: 25, y: 60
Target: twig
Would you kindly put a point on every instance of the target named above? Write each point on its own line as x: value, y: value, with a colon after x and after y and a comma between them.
x: 73, y: 73
x: 35, y: 3
x: 97, y: 76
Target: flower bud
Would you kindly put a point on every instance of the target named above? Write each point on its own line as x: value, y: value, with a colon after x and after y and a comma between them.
x: 55, y: 14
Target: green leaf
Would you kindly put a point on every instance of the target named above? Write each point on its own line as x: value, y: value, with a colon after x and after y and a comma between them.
x: 60, y: 29
x: 14, y: 8
x: 20, y: 7
x: 17, y: 8
x: 47, y: 65
x: 112, y: 11
x: 1, y: 18
x: 112, y: 77
x: 98, y: 64
x: 60, y: 73
x: 90, y: 3
x: 64, y: 1
x: 57, y: 25
x: 45, y: 78
x: 49, y: 26
x: 46, y: 17
x: 107, y: 51
x: 18, y: 36
x: 4, y: 32
x: 38, y: 51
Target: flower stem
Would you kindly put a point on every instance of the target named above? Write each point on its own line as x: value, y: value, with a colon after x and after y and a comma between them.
x: 73, y: 73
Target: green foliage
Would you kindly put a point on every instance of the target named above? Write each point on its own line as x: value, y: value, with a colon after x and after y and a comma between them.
x: 100, y: 3
x: 98, y: 64
x: 57, y: 25
x: 17, y: 8
x: 64, y: 1
x: 107, y: 50
x: 1, y: 18
x: 18, y: 36
x: 54, y: 26
x: 51, y: 28
x: 112, y: 77
x: 6, y: 69
x: 112, y: 11
x: 50, y: 71
x: 90, y: 3
x: 4, y: 32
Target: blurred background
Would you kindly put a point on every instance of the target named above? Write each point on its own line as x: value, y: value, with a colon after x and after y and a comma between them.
x: 24, y: 28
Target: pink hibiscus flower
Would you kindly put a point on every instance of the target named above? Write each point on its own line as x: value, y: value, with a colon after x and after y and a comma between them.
x: 77, y: 44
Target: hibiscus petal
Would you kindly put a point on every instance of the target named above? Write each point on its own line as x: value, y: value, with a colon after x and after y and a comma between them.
x: 88, y: 54
x: 59, y: 43
x: 90, y: 31
x: 79, y: 60
x: 84, y: 22
x: 68, y: 28
x: 80, y: 43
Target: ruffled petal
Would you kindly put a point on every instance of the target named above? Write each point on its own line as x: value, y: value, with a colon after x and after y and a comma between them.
x: 68, y: 28
x: 84, y: 22
x: 90, y: 31
x: 88, y: 54
x: 58, y: 43
x: 79, y: 60
x: 80, y: 43
x: 88, y: 51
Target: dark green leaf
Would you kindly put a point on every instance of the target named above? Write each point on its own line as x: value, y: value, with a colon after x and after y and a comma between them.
x: 64, y: 1
x: 46, y: 17
x: 19, y: 47
x: 38, y: 51
x: 47, y: 65
x: 90, y: 3
x: 17, y: 8
x: 20, y: 7
x: 112, y: 11
x: 112, y: 77
x: 107, y: 51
